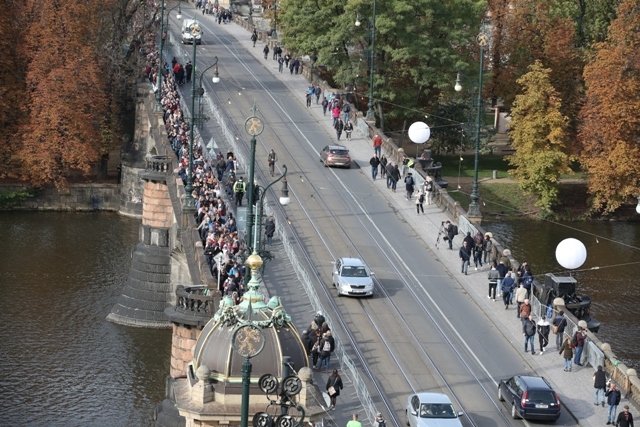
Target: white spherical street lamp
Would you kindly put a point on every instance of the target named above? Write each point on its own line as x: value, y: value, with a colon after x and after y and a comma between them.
x: 571, y: 253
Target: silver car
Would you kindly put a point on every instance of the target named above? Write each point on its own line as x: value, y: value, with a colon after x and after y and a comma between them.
x: 352, y: 277
x: 431, y: 410
x: 335, y: 155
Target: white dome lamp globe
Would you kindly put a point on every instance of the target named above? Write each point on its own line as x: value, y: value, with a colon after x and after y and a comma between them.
x: 419, y: 132
x: 571, y: 253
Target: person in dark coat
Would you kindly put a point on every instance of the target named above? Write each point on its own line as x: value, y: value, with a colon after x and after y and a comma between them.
x: 599, y: 384
x: 613, y: 400
x: 625, y: 419
x: 465, y: 256
x: 270, y: 229
x: 334, y: 385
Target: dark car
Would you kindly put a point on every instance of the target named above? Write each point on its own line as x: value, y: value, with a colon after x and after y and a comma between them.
x: 530, y: 398
x: 335, y: 155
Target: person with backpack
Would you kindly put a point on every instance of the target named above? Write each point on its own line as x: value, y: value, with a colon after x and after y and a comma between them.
x: 348, y: 129
x: 327, y: 345
x: 506, y: 288
x: 559, y: 323
x: 452, y: 231
x: 346, y: 110
x: 339, y: 127
x: 428, y: 188
x: 579, y: 339
x: 599, y: 384
x: 254, y: 37
x: 420, y: 202
x: 409, y: 185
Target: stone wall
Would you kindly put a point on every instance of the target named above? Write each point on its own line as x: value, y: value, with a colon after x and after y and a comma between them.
x: 78, y: 197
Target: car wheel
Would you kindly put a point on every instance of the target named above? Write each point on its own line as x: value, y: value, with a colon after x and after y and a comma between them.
x: 514, y: 411
x: 500, y: 397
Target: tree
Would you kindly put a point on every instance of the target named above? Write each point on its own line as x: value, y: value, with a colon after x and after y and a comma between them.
x: 538, y: 133
x: 419, y: 46
x: 66, y: 100
x: 610, y: 123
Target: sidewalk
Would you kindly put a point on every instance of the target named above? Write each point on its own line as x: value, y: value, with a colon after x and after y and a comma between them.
x: 575, y: 388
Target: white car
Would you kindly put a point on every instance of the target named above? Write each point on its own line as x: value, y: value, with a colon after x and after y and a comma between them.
x: 431, y: 410
x: 352, y: 277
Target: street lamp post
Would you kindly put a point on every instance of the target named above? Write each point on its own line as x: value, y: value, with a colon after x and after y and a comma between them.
x: 162, y: 37
x: 215, y: 79
x: 195, y: 29
x: 254, y: 127
x: 474, y: 207
x: 284, y: 201
x: 370, y: 113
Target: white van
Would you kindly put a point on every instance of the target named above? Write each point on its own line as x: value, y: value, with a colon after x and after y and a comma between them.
x: 191, y: 32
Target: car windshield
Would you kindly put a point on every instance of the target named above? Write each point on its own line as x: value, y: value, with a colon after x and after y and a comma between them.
x: 437, y: 410
x: 339, y: 152
x: 353, y: 272
x: 541, y: 396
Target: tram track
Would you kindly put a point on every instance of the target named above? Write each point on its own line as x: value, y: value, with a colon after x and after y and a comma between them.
x: 409, y: 280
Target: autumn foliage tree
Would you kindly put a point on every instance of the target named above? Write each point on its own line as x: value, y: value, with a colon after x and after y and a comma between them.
x: 538, y: 133
x: 610, y: 117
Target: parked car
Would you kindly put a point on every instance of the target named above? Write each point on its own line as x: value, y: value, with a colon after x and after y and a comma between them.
x: 529, y: 397
x: 335, y: 155
x: 352, y: 277
x: 191, y: 32
x: 431, y: 409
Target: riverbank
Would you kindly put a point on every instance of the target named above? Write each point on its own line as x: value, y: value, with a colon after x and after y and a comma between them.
x: 77, y: 197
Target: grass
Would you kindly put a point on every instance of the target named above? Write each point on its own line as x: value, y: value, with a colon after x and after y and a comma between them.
x: 451, y: 166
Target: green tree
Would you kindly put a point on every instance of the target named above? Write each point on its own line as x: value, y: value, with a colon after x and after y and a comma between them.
x: 591, y: 18
x: 538, y: 133
x: 609, y: 117
x: 419, y: 47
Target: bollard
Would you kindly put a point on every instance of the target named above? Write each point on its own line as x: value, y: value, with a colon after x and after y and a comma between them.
x: 495, y: 174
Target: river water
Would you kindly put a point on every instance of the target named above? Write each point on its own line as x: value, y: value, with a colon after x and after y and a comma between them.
x: 61, y: 362
x: 609, y: 275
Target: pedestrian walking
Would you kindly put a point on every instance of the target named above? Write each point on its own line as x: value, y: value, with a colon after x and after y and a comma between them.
x: 348, y: 129
x: 566, y: 350
x: 506, y: 289
x: 409, y: 185
x: 272, y: 159
x: 266, y: 51
x: 354, y: 422
x: 380, y: 422
x: 559, y: 323
x: 346, y: 110
x: 525, y: 308
x: 334, y: 385
x: 465, y: 256
x: 599, y: 385
x: 521, y: 296
x: 383, y: 166
x: 478, y: 249
x: 625, y: 419
x: 543, y: 333
x: 325, y: 104
x: 493, y: 282
x: 239, y: 188
x: 451, y: 231
x: 420, y: 198
x: 315, y: 349
x: 529, y: 332
x: 270, y: 229
x: 579, y: 339
x: 428, y: 188
x: 374, y: 162
x: 335, y: 115
x: 339, y: 127
x: 377, y: 144
x: 395, y: 177
x: 488, y: 247
x: 254, y: 37
x: 280, y: 64
x: 188, y: 69
x: 317, y: 92
x: 613, y: 400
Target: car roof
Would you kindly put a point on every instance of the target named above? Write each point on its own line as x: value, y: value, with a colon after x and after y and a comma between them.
x: 338, y: 147
x: 352, y: 262
x: 430, y: 397
x: 535, y: 382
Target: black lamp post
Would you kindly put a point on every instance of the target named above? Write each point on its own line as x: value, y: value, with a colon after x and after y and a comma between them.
x: 284, y: 201
x: 370, y: 113
x: 215, y: 79
x: 189, y: 203
x: 254, y: 127
x: 162, y: 37
x: 474, y: 207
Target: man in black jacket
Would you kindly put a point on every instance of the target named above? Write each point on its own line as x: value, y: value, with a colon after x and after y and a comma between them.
x: 529, y: 332
x: 599, y: 383
x: 613, y: 400
x: 465, y: 256
x: 625, y: 419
